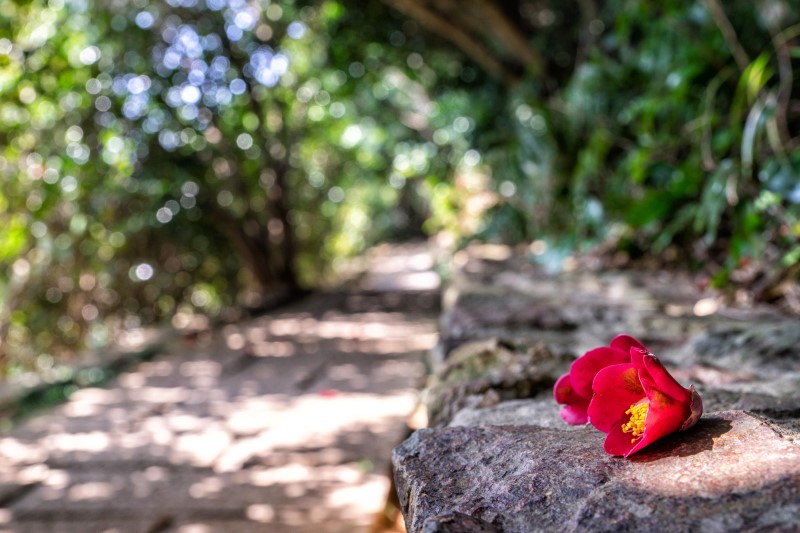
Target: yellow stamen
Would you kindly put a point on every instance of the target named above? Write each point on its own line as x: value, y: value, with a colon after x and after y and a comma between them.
x: 638, y: 413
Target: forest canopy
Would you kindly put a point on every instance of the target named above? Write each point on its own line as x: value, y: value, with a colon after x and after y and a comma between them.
x: 166, y: 159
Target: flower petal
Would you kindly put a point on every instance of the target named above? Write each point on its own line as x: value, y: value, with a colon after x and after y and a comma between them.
x: 663, y: 380
x: 584, y: 369
x: 696, y: 407
x: 625, y: 343
x: 616, y: 388
x: 564, y: 392
x: 665, y: 415
x: 618, y: 442
x: 575, y: 413
x: 637, y: 356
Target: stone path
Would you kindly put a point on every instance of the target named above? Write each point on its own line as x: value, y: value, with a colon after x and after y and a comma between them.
x: 282, y: 423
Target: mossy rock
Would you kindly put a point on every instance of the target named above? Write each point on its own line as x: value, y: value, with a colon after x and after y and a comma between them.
x: 483, y: 373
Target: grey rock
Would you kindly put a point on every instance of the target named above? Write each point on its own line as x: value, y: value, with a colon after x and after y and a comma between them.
x: 510, y: 312
x: 786, y: 422
x: 499, y: 457
x: 717, y: 399
x: 733, y: 471
x: 541, y: 411
x: 756, y: 347
x: 488, y: 372
x: 457, y: 523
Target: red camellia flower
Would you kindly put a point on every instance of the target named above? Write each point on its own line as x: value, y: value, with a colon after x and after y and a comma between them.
x: 574, y: 389
x: 639, y: 402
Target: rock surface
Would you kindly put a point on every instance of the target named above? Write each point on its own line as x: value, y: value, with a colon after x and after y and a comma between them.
x: 732, y: 471
x: 485, y: 373
x: 498, y: 457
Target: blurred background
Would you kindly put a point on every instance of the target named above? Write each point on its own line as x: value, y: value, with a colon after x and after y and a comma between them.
x: 167, y: 160
x: 164, y: 160
x: 186, y: 165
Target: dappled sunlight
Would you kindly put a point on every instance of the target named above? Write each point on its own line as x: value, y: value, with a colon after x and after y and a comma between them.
x: 352, y: 497
x: 160, y: 395
x: 135, y: 338
x: 90, y: 403
x: 402, y: 264
x: 317, y: 422
x: 716, y: 468
x: 94, y: 441
x: 374, y: 332
x: 411, y: 272
x: 96, y: 490
x: 273, y: 349
x: 16, y: 451
x: 705, y: 480
x: 287, y: 420
x: 349, y: 496
x: 201, y: 448
x: 300, y: 448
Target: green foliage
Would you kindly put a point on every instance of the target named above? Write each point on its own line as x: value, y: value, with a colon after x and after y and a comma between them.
x: 658, y: 133
x: 186, y: 157
x: 160, y: 160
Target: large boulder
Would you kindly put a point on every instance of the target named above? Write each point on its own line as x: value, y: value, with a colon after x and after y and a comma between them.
x: 498, y: 457
x: 733, y: 471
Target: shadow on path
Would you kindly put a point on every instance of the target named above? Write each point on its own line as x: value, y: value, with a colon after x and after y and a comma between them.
x: 281, y: 423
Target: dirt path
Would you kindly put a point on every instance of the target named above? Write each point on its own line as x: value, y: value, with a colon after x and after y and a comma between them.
x: 281, y: 423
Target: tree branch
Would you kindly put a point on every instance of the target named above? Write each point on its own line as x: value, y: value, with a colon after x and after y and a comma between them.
x: 782, y: 53
x: 586, y: 40
x: 278, y: 204
x: 512, y: 39
x: 728, y: 32
x: 463, y: 40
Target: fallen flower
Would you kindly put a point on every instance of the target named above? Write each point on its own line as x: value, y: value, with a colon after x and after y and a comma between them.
x: 574, y: 389
x: 639, y: 402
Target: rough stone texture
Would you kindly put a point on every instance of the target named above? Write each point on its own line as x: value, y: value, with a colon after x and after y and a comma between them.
x: 771, y: 346
x: 457, y: 523
x: 485, y: 373
x: 733, y: 471
x: 755, y: 364
x: 541, y: 411
x: 498, y: 457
